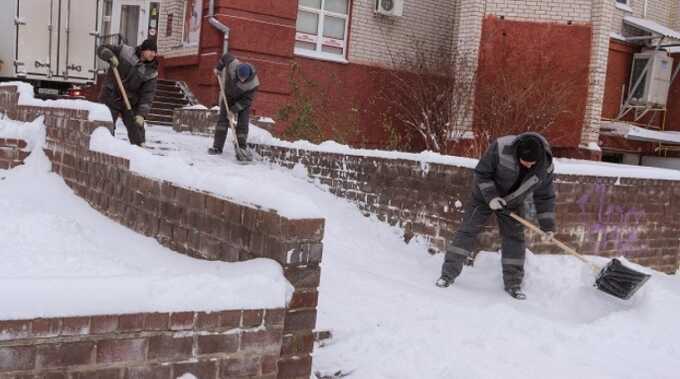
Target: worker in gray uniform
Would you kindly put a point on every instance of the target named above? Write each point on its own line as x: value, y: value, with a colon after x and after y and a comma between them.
x: 512, y: 168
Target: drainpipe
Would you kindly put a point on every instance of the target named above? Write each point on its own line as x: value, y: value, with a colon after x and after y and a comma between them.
x: 222, y: 28
x: 219, y: 26
x: 644, y: 9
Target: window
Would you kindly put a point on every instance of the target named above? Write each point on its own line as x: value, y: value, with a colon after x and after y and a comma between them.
x: 322, y: 29
x: 624, y: 5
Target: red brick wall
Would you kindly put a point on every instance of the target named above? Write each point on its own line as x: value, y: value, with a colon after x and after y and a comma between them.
x: 12, y: 153
x: 215, y: 345
x: 190, y: 222
x: 595, y: 215
x: 262, y: 33
x: 523, y: 49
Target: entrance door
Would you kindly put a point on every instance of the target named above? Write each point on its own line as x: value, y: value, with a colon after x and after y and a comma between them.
x: 130, y: 18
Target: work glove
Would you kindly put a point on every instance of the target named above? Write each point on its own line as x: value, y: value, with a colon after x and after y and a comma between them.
x: 217, y: 72
x: 548, y: 237
x: 497, y: 203
x: 139, y: 120
x: 113, y: 61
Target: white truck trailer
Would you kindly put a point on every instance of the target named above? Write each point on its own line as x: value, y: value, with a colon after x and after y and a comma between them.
x: 50, y: 43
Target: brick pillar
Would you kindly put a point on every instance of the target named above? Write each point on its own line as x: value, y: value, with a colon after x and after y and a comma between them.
x: 602, y: 13
x: 467, y: 35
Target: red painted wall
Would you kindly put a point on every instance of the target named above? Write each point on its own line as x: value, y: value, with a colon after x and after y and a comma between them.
x: 560, y: 52
x: 262, y: 33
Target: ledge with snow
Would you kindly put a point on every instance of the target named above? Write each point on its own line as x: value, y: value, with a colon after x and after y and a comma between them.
x: 89, y: 297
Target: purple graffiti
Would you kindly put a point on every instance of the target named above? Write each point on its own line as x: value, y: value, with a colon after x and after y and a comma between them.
x: 615, y: 223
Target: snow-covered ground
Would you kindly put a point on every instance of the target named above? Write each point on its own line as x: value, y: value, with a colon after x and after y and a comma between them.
x: 389, y: 321
x: 377, y: 294
x: 60, y: 257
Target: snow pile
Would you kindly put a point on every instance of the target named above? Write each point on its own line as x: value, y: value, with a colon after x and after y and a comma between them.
x: 97, y: 112
x: 33, y: 133
x: 199, y: 107
x: 60, y: 257
x: 237, y: 184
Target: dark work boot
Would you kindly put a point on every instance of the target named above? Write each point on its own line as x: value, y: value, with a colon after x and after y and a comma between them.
x: 516, y: 292
x: 443, y: 282
x: 214, y: 151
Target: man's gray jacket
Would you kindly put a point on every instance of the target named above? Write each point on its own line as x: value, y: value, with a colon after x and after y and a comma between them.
x: 498, y: 170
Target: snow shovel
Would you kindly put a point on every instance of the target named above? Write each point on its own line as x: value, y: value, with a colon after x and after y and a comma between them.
x: 135, y: 136
x: 242, y: 153
x: 614, y: 279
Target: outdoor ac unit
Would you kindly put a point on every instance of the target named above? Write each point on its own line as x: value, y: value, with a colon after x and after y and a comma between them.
x: 389, y: 7
x: 653, y: 70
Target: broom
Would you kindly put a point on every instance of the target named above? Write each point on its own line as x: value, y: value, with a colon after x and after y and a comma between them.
x: 614, y: 279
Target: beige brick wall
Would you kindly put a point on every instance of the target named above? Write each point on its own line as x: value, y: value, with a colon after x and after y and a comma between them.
x: 171, y: 46
x: 665, y: 12
x: 373, y: 38
x: 541, y: 10
x: 602, y: 13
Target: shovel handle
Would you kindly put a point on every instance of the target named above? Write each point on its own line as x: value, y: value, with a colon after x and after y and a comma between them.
x: 121, y: 88
x: 230, y: 116
x: 554, y: 240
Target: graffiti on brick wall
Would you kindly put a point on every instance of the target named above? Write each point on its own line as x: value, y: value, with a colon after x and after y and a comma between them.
x: 615, y: 227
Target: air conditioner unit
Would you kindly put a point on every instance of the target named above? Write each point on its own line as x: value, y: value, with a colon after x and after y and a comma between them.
x: 389, y: 7
x: 653, y: 70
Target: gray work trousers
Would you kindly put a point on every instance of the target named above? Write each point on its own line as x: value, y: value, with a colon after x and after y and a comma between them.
x: 463, y: 244
x: 242, y: 122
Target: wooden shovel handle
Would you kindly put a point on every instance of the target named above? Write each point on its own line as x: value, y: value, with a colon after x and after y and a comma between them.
x: 554, y: 240
x: 121, y: 88
x: 230, y: 116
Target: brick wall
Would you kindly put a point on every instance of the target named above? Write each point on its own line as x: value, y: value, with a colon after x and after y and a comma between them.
x: 144, y: 345
x: 187, y: 221
x: 12, y: 153
x: 373, y: 38
x: 195, y: 121
x: 594, y: 214
x: 172, y: 13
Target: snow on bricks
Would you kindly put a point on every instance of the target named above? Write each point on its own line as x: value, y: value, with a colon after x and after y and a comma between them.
x: 161, y: 345
x: 190, y: 222
x: 12, y: 153
x: 595, y: 214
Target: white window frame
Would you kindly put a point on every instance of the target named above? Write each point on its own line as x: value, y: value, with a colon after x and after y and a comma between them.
x: 319, y: 40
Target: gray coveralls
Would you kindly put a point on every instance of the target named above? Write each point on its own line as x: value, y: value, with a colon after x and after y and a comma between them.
x: 495, y: 175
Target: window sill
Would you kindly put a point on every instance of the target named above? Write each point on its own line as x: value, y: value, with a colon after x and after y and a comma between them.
x: 624, y: 7
x: 320, y: 56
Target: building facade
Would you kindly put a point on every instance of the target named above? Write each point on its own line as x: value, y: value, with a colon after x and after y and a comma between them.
x: 335, y: 55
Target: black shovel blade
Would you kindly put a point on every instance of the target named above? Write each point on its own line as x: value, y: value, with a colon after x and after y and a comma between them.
x: 620, y: 281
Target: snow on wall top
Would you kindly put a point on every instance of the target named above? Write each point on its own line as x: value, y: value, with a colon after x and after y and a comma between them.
x: 97, y: 112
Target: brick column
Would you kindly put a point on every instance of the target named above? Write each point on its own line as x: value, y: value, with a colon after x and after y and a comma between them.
x: 467, y: 35
x: 602, y: 13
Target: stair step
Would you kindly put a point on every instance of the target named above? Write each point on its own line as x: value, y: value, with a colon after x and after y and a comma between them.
x: 170, y: 100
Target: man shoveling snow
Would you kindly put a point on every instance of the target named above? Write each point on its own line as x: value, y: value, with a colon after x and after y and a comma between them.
x: 512, y: 168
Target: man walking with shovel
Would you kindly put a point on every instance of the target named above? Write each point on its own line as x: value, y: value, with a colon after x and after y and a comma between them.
x: 512, y: 168
x: 130, y: 86
x: 237, y: 93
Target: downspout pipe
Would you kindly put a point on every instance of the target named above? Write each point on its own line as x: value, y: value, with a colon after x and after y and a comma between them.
x: 217, y: 24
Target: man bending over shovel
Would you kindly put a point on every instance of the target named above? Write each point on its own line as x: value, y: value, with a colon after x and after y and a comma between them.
x: 137, y: 69
x: 512, y: 168
x: 239, y: 90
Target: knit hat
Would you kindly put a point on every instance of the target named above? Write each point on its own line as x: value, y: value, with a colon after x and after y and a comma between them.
x: 148, y: 44
x: 530, y: 149
x: 243, y: 71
